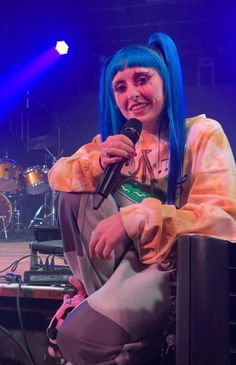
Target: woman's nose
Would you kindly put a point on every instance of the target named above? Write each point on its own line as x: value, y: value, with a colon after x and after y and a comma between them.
x: 134, y: 97
x: 133, y: 94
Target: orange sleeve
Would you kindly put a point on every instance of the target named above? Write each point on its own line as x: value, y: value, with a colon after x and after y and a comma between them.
x: 79, y: 172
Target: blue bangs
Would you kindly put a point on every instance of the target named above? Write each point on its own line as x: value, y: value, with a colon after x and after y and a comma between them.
x: 135, y: 56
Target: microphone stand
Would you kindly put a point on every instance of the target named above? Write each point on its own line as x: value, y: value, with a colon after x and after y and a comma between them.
x: 27, y: 119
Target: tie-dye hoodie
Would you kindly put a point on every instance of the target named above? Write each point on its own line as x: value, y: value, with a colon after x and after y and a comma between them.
x: 206, y: 196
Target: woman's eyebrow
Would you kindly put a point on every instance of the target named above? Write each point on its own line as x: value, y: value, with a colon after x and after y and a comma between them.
x: 135, y: 74
x: 138, y: 73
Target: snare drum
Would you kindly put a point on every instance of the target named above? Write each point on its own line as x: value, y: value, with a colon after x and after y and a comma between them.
x: 9, y: 175
x: 5, y: 212
x: 36, y: 179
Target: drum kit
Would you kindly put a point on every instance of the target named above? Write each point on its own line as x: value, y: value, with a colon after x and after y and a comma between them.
x: 17, y: 182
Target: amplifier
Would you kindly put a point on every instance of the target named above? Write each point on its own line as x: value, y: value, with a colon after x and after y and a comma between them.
x: 48, y: 277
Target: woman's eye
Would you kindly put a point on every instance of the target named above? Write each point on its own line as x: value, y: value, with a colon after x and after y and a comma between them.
x: 142, y: 80
x: 120, y: 88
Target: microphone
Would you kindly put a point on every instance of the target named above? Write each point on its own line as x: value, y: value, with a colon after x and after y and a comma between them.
x: 132, y: 129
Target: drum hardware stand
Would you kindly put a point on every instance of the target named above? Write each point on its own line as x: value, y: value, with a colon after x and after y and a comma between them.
x: 48, y: 210
x: 3, y: 218
x: 17, y: 225
x: 42, y: 209
x: 16, y: 212
x: 49, y: 214
x: 51, y: 217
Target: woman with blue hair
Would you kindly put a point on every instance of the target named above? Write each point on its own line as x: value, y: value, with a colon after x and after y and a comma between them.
x: 179, y: 178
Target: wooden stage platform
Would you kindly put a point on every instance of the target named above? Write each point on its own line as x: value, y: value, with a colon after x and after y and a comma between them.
x: 11, y: 251
x: 37, y: 306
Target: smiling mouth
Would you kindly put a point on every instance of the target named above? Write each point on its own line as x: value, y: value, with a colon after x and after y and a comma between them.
x: 138, y: 106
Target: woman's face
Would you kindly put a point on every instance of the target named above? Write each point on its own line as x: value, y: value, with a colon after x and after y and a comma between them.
x: 139, y: 94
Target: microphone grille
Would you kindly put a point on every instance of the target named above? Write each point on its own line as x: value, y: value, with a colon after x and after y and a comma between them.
x: 132, y: 129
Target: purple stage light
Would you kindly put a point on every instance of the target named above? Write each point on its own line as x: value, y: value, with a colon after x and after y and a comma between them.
x: 62, y: 47
x: 11, y: 87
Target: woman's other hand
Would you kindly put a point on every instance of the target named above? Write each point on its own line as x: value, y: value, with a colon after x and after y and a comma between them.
x: 108, y: 234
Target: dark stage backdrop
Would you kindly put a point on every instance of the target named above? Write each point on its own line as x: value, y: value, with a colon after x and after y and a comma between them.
x: 70, y: 117
x: 59, y: 105
x: 80, y: 116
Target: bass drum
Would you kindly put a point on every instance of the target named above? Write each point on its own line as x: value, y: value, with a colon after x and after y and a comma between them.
x: 5, y: 212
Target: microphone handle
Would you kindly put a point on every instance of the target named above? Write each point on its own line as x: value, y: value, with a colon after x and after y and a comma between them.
x: 109, y: 178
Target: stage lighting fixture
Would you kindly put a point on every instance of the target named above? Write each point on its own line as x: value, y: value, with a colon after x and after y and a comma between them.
x: 62, y: 47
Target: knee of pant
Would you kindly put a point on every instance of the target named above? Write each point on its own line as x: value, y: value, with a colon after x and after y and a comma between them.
x: 87, y: 334
x: 84, y: 345
x: 72, y: 342
x: 65, y: 338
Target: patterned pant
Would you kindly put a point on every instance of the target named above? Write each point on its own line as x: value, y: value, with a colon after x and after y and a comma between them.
x: 121, y: 322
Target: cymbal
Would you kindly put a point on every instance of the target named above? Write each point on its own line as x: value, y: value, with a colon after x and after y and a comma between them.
x: 40, y: 142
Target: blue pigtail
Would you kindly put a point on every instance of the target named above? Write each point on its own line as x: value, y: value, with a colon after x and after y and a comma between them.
x: 163, y: 45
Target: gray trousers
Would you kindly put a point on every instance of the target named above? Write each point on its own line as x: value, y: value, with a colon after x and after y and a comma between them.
x: 122, y: 320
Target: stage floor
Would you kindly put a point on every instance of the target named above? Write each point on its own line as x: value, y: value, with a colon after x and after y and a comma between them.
x: 12, y: 251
